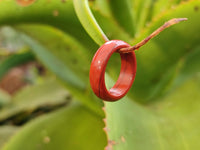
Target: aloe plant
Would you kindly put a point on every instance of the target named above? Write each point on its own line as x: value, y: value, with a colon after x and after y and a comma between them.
x: 161, y: 110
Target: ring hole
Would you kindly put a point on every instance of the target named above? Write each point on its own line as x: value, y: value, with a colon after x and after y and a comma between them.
x: 112, y: 70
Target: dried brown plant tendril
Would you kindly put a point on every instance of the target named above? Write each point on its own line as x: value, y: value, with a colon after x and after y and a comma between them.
x: 155, y: 33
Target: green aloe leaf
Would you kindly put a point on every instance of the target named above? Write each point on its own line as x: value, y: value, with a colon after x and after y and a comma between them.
x: 66, y: 49
x: 60, y: 14
x: 66, y: 58
x: 89, y: 22
x: 123, y: 12
x: 15, y: 60
x: 49, y: 93
x: 68, y: 128
x: 56, y: 66
x: 169, y: 124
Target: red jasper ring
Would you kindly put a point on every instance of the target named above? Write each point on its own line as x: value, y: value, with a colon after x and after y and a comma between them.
x: 98, y: 67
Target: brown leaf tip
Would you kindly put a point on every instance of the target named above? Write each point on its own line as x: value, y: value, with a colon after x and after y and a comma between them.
x: 173, y: 21
x: 152, y: 35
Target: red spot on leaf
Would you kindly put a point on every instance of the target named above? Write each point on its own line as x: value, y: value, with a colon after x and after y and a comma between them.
x: 25, y: 2
x: 123, y: 139
x: 55, y: 13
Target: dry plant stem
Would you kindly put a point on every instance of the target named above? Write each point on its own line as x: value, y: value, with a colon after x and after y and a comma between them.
x: 156, y: 32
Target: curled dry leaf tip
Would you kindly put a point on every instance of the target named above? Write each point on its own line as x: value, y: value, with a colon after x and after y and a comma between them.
x: 152, y: 35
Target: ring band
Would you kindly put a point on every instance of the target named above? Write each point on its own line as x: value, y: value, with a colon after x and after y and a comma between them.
x: 98, y: 68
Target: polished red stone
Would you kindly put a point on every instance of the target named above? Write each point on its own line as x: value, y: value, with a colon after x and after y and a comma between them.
x: 98, y: 67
